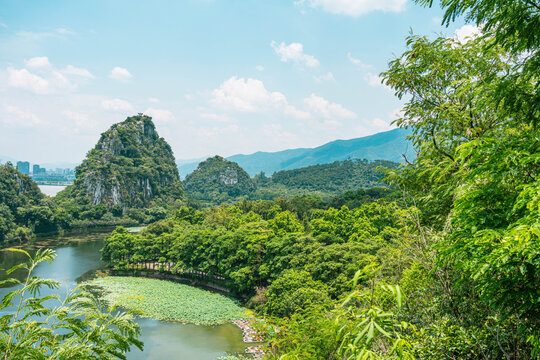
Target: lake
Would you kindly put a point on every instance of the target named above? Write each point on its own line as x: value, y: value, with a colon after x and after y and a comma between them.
x: 51, y: 190
x: 78, y: 257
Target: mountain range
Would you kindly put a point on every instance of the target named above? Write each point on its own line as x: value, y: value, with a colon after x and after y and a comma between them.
x: 388, y: 145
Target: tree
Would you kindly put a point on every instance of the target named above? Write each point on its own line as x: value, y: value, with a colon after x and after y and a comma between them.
x: 516, y: 23
x: 476, y: 174
x: 118, y: 246
x: 6, y: 221
x: 293, y: 291
x: 77, y: 327
x: 515, y: 26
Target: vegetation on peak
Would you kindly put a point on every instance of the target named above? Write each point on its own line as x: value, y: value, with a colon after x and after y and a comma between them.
x: 218, y: 180
x: 130, y: 167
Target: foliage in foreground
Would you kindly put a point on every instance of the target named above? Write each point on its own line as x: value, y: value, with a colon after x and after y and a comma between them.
x: 47, y: 327
x: 166, y: 300
x: 362, y: 325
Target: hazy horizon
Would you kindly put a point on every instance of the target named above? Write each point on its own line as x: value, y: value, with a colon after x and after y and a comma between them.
x: 217, y: 77
x: 67, y: 164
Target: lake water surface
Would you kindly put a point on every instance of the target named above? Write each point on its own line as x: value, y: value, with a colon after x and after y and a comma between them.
x: 79, y: 257
x: 51, y: 190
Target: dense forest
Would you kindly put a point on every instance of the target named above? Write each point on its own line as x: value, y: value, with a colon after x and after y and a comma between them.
x: 118, y: 185
x: 333, y: 178
x: 24, y: 210
x: 217, y: 181
x: 443, y: 263
x: 449, y: 269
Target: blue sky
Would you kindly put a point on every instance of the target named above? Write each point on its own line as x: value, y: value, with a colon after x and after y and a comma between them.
x: 218, y: 76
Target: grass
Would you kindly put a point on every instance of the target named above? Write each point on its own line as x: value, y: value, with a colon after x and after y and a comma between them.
x: 165, y: 300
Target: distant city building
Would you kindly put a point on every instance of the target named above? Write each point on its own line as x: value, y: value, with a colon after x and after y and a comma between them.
x: 36, y: 170
x: 24, y: 167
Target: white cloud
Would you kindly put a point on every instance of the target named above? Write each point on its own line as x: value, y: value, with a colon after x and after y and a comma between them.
x: 119, y: 73
x: 358, y: 62
x: 75, y: 116
x: 278, y: 134
x: 3, y: 25
x: 44, y: 78
x: 373, y: 80
x: 160, y: 115
x: 291, y: 111
x: 117, y: 105
x: 214, y: 116
x: 380, y: 124
x: 466, y: 33
x: 153, y: 100
x: 217, y: 132
x: 326, y: 109
x: 259, y: 68
x: 397, y: 114
x: 376, y: 81
x: 250, y: 95
x: 437, y: 20
x: 367, y: 127
x: 38, y: 36
x: 38, y: 62
x: 24, y: 79
x: 72, y: 70
x: 13, y: 116
x: 64, y: 31
x: 328, y: 77
x: 294, y: 52
x: 355, y: 7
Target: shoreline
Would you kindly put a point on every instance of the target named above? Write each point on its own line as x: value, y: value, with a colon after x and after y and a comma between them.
x: 251, y: 337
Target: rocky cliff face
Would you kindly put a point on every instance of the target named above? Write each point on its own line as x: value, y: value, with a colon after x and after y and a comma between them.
x: 130, y: 166
x: 218, y: 176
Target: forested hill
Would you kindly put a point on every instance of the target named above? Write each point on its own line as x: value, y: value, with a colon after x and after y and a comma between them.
x: 24, y: 210
x: 130, y: 167
x: 337, y: 177
x: 388, y: 145
x: 217, y: 179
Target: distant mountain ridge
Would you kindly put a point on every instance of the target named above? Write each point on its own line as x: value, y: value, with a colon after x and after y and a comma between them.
x: 388, y: 145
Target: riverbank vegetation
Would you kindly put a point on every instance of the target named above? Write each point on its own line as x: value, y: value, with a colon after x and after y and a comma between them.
x: 24, y: 210
x: 165, y: 300
x: 255, y: 244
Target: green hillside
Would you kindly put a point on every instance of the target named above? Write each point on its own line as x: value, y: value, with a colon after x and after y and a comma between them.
x: 24, y: 210
x: 131, y: 171
x: 217, y: 180
x: 337, y: 177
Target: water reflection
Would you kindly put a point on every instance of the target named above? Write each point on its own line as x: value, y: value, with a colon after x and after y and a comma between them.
x: 79, y: 256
